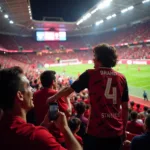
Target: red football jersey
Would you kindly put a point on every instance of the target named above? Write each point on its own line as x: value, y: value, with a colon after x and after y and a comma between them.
x: 106, y: 90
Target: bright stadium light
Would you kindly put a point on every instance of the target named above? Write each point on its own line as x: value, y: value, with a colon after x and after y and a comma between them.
x: 109, y: 17
x: 130, y: 8
x: 124, y: 10
x: 114, y: 15
x: 99, y: 22
x: 94, y: 11
x: 86, y: 16
x: 32, y: 28
x: 127, y: 9
x: 11, y: 22
x: 104, y: 4
x: 145, y: 1
x: 79, y: 22
x: 6, y: 16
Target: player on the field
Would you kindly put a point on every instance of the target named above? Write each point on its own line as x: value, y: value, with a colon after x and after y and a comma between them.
x: 145, y: 96
x: 108, y: 92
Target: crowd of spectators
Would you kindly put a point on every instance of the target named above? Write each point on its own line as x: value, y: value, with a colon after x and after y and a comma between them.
x: 134, y: 33
x: 69, y: 130
x: 83, y: 56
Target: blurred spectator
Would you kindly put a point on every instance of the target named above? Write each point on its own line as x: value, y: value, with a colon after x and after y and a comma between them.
x: 132, y: 105
x: 80, y: 108
x: 148, y: 111
x: 74, y: 124
x: 48, y: 82
x: 145, y: 113
x: 133, y: 126
x: 139, y: 119
x: 142, y: 141
x: 138, y: 109
x: 15, y: 133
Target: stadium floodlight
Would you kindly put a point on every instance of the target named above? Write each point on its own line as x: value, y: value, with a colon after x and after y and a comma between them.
x: 30, y: 18
x: 109, y: 17
x: 99, y: 22
x: 32, y: 28
x: 104, y: 4
x: 11, y: 22
x: 124, y: 10
x: 130, y: 8
x: 88, y: 15
x: 145, y: 1
x: 79, y: 22
x: 6, y: 16
x: 94, y: 11
x: 114, y: 15
x: 127, y: 9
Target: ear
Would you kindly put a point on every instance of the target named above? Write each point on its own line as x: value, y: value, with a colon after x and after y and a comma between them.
x: 19, y: 96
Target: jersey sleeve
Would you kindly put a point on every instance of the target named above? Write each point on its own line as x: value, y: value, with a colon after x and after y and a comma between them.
x: 63, y: 106
x: 125, y: 96
x: 45, y: 140
x: 81, y: 83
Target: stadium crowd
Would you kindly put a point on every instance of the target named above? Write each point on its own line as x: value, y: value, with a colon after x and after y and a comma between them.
x: 87, y: 117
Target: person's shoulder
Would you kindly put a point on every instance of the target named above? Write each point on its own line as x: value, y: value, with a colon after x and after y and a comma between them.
x: 52, y: 92
x: 37, y: 92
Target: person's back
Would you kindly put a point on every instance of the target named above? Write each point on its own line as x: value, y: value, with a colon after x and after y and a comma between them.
x: 108, y: 91
x: 134, y: 127
x: 142, y: 141
x: 40, y: 106
x: 105, y: 103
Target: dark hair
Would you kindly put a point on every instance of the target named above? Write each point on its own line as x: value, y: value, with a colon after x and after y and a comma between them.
x: 138, y: 105
x: 10, y: 83
x: 47, y: 78
x: 145, y: 108
x: 87, y: 106
x: 134, y: 115
x: 147, y: 122
x: 106, y: 54
x: 74, y: 123
x: 80, y: 108
x: 75, y: 98
x: 148, y: 111
x: 35, y: 81
x: 83, y: 98
x: 132, y: 103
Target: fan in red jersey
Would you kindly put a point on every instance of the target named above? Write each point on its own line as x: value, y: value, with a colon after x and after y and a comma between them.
x: 108, y: 93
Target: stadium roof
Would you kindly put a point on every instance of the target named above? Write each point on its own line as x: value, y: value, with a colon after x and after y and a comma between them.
x: 20, y: 12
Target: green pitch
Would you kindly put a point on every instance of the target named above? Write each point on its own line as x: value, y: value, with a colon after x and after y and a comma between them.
x: 137, y: 80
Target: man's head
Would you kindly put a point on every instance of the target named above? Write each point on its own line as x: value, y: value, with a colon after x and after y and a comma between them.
x: 74, y: 124
x: 132, y: 103
x: 138, y: 106
x: 134, y: 115
x: 147, y: 123
x: 104, y: 56
x: 148, y: 111
x: 80, y: 108
x: 15, y: 90
x: 145, y: 108
x: 48, y: 78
